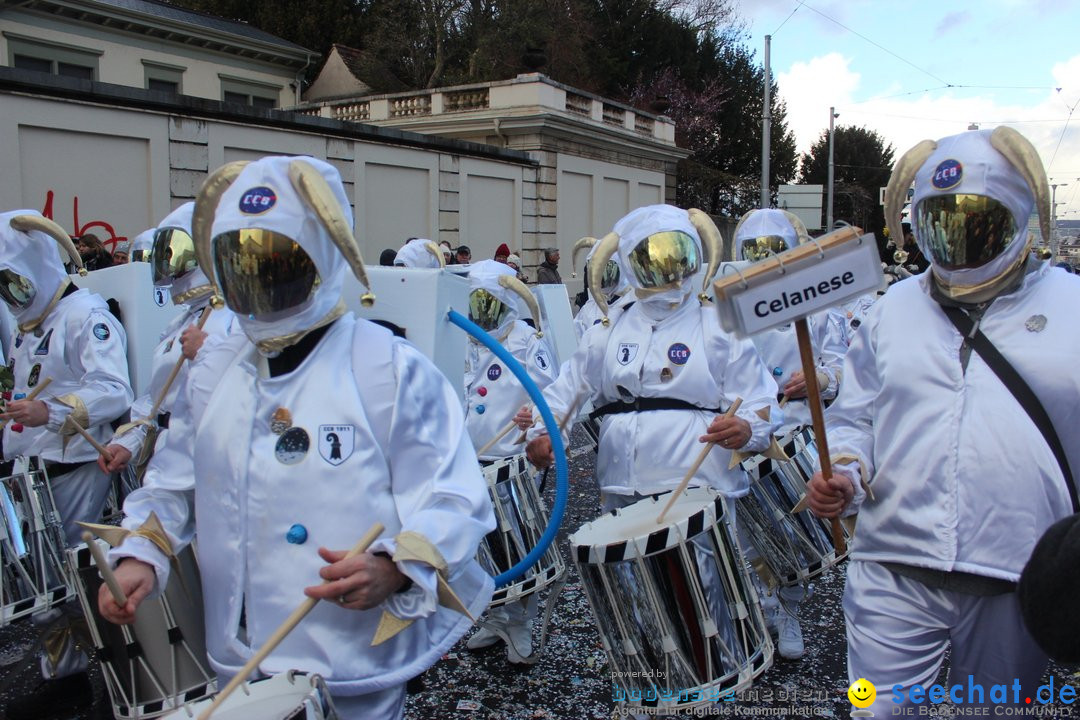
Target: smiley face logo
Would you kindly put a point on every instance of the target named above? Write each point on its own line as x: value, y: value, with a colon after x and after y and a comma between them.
x: 862, y: 693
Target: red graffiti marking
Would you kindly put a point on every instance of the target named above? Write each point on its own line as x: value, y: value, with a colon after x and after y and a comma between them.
x: 80, y: 230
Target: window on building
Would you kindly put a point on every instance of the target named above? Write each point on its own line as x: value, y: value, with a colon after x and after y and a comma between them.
x: 53, y: 58
x: 247, y: 92
x: 163, y: 78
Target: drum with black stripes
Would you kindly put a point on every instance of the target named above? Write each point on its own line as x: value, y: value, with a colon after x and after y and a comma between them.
x: 288, y: 696
x: 676, y: 612
x: 791, y: 548
x: 521, y: 518
x: 32, y: 574
x: 158, y: 663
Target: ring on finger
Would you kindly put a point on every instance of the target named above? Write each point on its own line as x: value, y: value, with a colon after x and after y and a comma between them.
x: 343, y: 599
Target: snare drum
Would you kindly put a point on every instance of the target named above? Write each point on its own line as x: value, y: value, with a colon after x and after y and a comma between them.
x: 793, y: 548
x: 288, y: 696
x: 32, y: 576
x: 677, y: 614
x: 158, y: 663
x: 521, y: 518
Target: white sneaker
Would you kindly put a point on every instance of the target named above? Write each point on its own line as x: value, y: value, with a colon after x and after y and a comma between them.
x: 790, y: 643
x: 483, y: 638
x: 520, y: 647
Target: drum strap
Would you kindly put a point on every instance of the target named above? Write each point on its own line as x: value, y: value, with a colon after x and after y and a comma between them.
x: 1018, y: 387
x: 647, y: 404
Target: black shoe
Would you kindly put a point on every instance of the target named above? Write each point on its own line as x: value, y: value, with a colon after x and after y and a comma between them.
x: 53, y: 698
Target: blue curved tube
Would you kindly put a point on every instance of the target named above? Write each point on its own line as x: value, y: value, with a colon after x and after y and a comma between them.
x: 562, y: 482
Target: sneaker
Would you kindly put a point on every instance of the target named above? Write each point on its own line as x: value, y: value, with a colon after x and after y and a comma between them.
x: 520, y: 647
x: 483, y: 638
x: 53, y: 699
x: 790, y: 644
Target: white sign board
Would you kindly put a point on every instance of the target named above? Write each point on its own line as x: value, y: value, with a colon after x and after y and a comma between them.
x: 803, y: 201
x: 803, y: 282
x: 557, y: 320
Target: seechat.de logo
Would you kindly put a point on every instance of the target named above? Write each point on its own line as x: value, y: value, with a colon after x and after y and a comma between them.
x: 948, y: 174
x: 257, y: 200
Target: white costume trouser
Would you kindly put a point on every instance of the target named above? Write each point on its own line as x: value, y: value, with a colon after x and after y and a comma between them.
x: 898, y: 630
x: 78, y: 495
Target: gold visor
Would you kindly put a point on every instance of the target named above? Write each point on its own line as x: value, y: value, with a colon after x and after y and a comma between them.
x: 16, y: 290
x: 759, y: 248
x: 964, y: 231
x: 486, y: 310
x: 262, y: 272
x: 172, y: 255
x: 664, y: 258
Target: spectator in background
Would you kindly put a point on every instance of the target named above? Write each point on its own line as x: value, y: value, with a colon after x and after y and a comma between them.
x: 515, y: 264
x: 386, y: 259
x: 548, y: 272
x: 120, y: 253
x: 914, y: 254
x: 502, y: 253
x: 447, y: 252
x: 463, y: 255
x: 93, y: 252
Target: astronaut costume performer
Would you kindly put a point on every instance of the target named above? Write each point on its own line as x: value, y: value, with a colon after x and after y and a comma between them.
x: 494, y: 396
x: 761, y: 233
x: 327, y: 425
x: 68, y: 335
x: 614, y: 285
x: 668, y: 355
x: 176, y: 272
x: 961, y: 483
x: 420, y: 253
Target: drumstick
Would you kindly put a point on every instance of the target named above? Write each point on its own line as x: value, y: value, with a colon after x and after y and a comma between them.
x: 491, y: 443
x: 103, y: 567
x: 813, y: 398
x: 176, y: 370
x: 33, y: 394
x: 697, y: 464
x: 286, y: 627
x: 104, y: 451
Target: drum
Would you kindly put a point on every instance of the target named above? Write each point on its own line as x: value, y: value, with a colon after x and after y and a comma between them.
x: 32, y: 576
x: 791, y: 548
x: 158, y: 663
x: 521, y: 518
x: 677, y: 614
x: 288, y: 696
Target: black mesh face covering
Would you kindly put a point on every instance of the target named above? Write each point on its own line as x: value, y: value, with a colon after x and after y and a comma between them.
x: 262, y: 272
x: 964, y: 231
x: 664, y: 258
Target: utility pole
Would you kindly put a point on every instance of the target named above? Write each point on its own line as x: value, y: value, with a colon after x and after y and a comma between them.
x: 829, y: 206
x: 766, y: 130
x: 1053, y: 220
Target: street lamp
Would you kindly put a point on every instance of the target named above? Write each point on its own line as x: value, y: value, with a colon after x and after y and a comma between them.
x: 1053, y: 219
x: 829, y: 207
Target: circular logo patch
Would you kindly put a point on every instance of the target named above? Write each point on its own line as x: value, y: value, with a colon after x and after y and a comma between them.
x: 678, y: 353
x: 494, y: 372
x: 257, y: 200
x: 101, y: 331
x: 292, y: 446
x: 948, y: 174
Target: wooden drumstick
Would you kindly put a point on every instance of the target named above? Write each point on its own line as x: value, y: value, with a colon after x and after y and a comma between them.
x: 104, y: 451
x: 286, y: 627
x: 103, y: 567
x: 813, y: 398
x: 33, y: 394
x: 697, y: 464
x: 502, y: 433
x: 176, y: 370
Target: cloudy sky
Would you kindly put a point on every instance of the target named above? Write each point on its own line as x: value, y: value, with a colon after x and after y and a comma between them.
x: 927, y: 69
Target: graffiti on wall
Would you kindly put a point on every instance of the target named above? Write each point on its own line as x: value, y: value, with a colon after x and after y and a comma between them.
x: 80, y: 230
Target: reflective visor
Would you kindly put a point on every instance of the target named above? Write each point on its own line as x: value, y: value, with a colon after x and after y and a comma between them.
x: 140, y: 255
x: 964, y: 231
x: 611, y: 276
x: 759, y: 248
x: 664, y: 259
x: 486, y: 310
x: 262, y: 272
x: 172, y: 255
x: 16, y: 290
